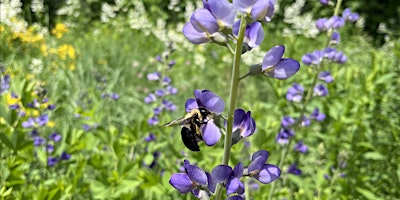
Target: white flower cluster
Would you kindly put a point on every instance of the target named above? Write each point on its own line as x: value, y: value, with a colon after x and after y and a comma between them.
x: 300, y: 24
x: 10, y: 10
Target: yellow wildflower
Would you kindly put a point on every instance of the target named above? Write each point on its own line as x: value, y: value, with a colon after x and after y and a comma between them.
x: 2, y: 28
x: 51, y: 124
x: 59, y: 30
x: 12, y: 100
x: 72, y: 67
x: 66, y: 50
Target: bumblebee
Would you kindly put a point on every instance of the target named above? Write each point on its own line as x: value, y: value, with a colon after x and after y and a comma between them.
x: 191, y: 124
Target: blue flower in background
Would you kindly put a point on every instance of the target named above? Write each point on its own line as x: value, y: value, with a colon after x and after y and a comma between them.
x: 293, y: 169
x: 295, y: 93
x: 300, y: 147
x: 265, y: 173
x: 258, y: 9
x: 320, y: 90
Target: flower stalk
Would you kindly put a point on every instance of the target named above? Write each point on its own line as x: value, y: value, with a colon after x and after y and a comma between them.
x: 232, y: 98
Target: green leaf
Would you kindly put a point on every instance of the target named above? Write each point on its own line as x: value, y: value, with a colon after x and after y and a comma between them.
x: 367, y: 194
x: 374, y: 156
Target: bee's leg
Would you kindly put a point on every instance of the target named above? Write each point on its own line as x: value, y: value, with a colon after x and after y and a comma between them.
x: 189, y: 139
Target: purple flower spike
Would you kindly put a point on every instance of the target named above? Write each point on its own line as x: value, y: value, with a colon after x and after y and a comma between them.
x: 300, y: 147
x: 317, y: 115
x: 194, y: 36
x: 274, y: 66
x: 325, y: 76
x: 320, y: 90
x: 294, y: 170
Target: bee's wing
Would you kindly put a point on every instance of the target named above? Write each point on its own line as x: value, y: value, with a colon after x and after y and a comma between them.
x: 180, y: 122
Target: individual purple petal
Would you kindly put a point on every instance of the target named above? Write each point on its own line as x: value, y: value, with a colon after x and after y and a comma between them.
x: 203, y: 21
x: 254, y: 34
x: 257, y: 164
x: 234, y: 186
x: 211, y: 183
x: 223, y: 11
x: 182, y: 182
x: 262, y: 9
x: 238, y: 118
x: 194, y: 36
x: 212, y: 102
x: 211, y: 133
x: 238, y: 170
x: 235, y: 197
x: 235, y: 27
x: 243, y: 5
x: 196, y: 174
x: 286, y: 68
x: 268, y: 174
x: 38, y: 141
x: 260, y: 153
x: 191, y: 104
x: 221, y: 173
x: 197, y: 93
x: 273, y: 56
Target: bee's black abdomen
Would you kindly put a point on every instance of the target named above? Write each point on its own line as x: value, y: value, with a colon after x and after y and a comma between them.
x: 189, y: 139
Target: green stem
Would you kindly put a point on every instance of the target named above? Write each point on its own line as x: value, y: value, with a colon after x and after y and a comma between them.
x: 232, y: 99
